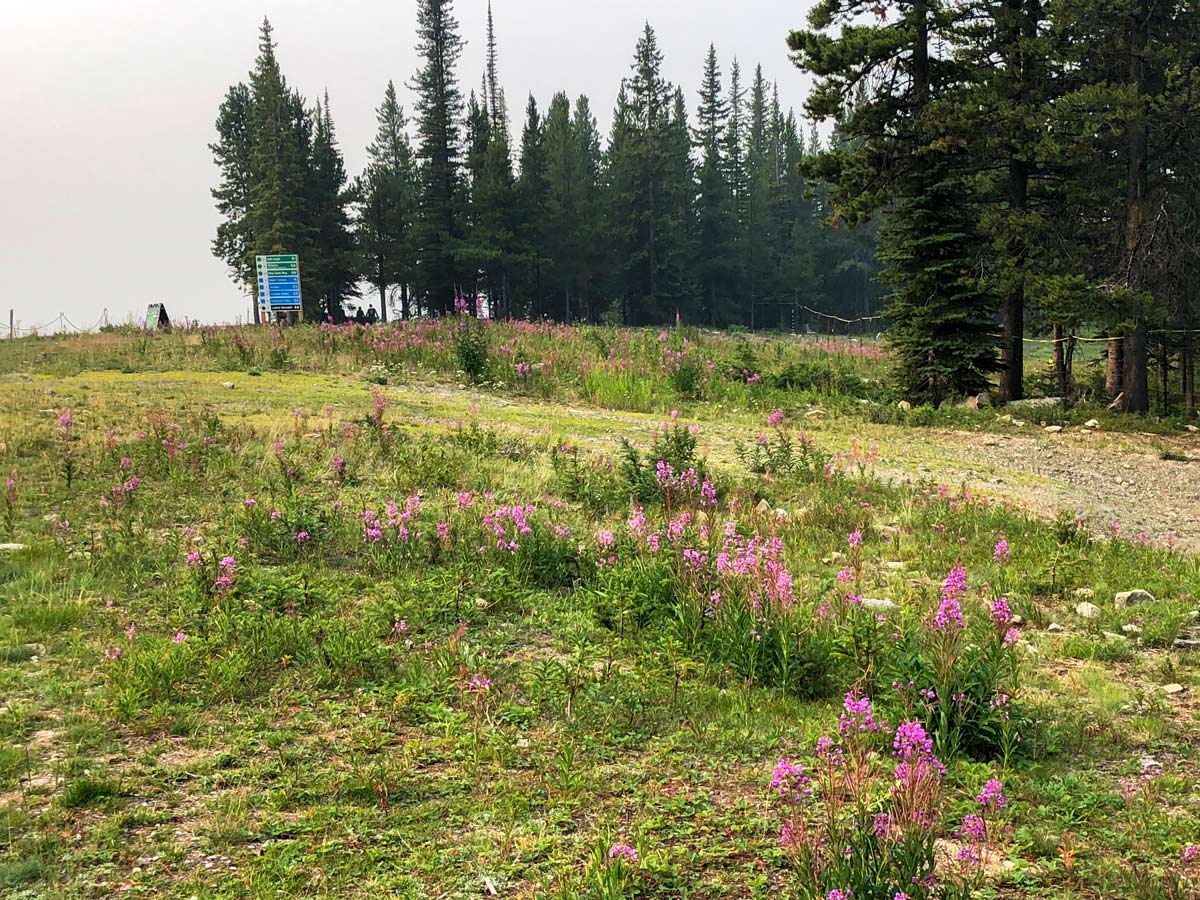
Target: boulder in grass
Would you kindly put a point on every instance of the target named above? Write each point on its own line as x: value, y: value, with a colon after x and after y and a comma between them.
x: 1136, y: 597
x: 879, y: 605
x: 1037, y: 403
x: 1087, y: 610
x: 11, y: 548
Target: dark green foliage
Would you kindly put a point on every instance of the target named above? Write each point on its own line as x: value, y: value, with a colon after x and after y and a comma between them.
x: 439, y: 112
x: 386, y: 195
x: 471, y: 349
x: 943, y: 331
x: 331, y: 268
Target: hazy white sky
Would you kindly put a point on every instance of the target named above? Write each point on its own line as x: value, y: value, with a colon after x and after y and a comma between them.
x: 109, y: 106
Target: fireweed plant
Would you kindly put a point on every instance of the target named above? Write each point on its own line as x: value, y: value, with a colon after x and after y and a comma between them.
x: 866, y: 817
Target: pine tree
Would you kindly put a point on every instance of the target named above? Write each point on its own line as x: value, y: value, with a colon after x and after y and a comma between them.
x: 494, y: 93
x: 333, y: 270
x: 943, y: 328
x: 387, y: 194
x: 531, y: 211
x: 760, y: 281
x: 899, y: 148
x: 563, y: 183
x: 714, y: 209
x: 233, y: 154
x: 281, y: 133
x: 648, y: 218
x: 589, y: 225
x: 439, y: 111
x: 738, y: 178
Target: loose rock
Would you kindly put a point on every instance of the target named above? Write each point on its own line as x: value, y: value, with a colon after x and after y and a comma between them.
x: 1037, y: 403
x: 1087, y: 610
x: 1053, y: 429
x: 1136, y: 597
x: 879, y: 605
x: 11, y: 548
x: 1054, y: 628
x: 1173, y: 688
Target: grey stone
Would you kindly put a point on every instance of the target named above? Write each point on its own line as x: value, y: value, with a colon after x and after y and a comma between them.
x: 1053, y: 429
x: 1087, y: 610
x: 1054, y: 627
x: 1173, y: 688
x: 1186, y: 644
x: 879, y: 604
x: 228, y: 385
x: 1091, y: 423
x: 1136, y: 597
x: 11, y: 548
x: 1037, y: 403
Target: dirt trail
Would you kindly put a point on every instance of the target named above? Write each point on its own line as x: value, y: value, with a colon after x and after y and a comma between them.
x: 1108, y: 478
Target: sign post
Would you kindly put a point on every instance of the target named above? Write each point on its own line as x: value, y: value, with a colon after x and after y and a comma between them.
x: 279, y: 287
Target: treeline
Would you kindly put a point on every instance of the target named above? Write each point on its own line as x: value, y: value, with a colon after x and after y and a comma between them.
x: 703, y: 218
x: 1038, y: 161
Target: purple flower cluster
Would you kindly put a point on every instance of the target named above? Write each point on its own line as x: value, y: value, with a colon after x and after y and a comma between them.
x: 622, y: 852
x: 858, y: 715
x: 992, y: 796
x: 226, y: 574
x: 789, y: 780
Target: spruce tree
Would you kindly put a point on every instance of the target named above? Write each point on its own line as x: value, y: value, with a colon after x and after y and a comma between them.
x: 439, y: 111
x: 714, y: 206
x: 899, y: 149
x: 589, y: 227
x: 333, y: 268
x: 233, y: 154
x: 646, y: 168
x: 387, y: 195
x: 943, y: 330
x: 531, y: 211
x: 281, y: 132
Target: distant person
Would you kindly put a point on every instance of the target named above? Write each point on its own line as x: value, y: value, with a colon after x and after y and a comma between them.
x: 358, y: 316
x: 372, y: 316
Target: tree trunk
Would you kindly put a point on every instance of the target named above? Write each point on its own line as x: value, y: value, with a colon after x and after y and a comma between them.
x: 1137, y: 392
x: 1060, y: 361
x: 1187, y: 375
x: 1136, y: 380
x: 1012, y: 372
x: 1164, y: 375
x: 1114, y: 367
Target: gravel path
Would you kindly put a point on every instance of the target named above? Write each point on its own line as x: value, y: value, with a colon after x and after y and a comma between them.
x: 1108, y: 478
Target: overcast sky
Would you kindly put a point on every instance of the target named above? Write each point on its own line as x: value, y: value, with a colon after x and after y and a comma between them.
x: 109, y: 106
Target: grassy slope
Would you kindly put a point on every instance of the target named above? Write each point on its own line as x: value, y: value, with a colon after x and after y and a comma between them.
x: 343, y: 768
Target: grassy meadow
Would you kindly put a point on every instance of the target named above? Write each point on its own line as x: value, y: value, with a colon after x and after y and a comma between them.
x: 452, y: 610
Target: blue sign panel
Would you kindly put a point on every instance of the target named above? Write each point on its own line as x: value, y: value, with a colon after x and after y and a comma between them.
x: 278, y: 282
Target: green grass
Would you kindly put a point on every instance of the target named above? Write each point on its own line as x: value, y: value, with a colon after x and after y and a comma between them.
x: 311, y: 732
